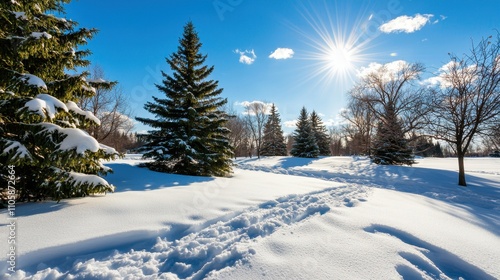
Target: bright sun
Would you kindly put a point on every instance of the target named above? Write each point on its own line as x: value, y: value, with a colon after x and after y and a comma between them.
x: 339, y: 57
x: 337, y: 48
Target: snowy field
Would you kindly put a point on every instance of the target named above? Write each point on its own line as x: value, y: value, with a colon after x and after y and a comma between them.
x: 275, y: 218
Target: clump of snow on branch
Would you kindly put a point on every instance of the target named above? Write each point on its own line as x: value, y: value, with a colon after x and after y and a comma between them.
x: 82, y: 179
x: 21, y: 15
x: 39, y: 35
x: 98, y: 81
x: 33, y: 80
x: 107, y: 149
x: 45, y: 105
x: 21, y: 151
x: 72, y: 106
x: 76, y: 139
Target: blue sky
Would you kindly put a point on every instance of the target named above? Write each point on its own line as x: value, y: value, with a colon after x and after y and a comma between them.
x: 321, y: 44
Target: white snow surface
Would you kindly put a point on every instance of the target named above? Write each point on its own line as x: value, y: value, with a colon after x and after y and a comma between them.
x: 275, y: 218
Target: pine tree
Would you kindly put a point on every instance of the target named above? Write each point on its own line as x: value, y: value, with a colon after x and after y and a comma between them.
x: 273, y: 142
x: 190, y: 135
x: 321, y: 134
x: 390, y: 146
x: 437, y: 151
x: 41, y: 134
x: 304, y: 141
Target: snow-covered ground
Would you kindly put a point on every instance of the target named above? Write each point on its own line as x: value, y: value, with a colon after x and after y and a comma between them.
x: 275, y: 218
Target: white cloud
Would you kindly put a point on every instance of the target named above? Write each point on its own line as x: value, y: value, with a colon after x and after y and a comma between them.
x: 394, y: 54
x: 389, y: 72
x: 255, y: 105
x: 246, y: 56
x: 406, y: 24
x: 375, y: 67
x: 441, y: 19
x: 441, y: 77
x: 282, y: 53
x: 290, y: 124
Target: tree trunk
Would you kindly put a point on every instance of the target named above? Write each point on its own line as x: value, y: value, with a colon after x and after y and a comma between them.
x: 461, y: 170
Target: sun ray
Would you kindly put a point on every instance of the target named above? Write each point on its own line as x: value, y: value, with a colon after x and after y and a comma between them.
x: 338, y: 45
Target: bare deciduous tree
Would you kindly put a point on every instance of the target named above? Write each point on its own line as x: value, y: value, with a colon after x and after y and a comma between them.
x: 240, y: 134
x: 468, y: 99
x: 394, y: 86
x: 256, y: 114
x: 336, y: 144
x: 111, y: 107
x: 359, y: 130
x: 492, y: 140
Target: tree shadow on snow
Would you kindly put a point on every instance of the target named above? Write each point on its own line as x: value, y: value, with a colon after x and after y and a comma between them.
x: 434, y: 262
x: 127, y: 177
x: 480, y: 198
x: 35, y: 208
x: 291, y: 162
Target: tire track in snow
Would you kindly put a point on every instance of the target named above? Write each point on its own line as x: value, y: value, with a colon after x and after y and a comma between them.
x: 213, y: 246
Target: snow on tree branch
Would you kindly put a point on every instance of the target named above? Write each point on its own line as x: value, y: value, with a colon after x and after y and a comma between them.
x: 88, y: 179
x: 20, y: 149
x: 45, y: 105
x: 72, y: 106
x: 107, y: 149
x: 33, y: 80
x: 39, y: 35
x: 75, y: 138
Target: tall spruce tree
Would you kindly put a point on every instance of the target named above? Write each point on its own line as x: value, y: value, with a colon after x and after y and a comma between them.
x: 321, y: 134
x: 190, y: 135
x: 273, y: 141
x: 304, y: 140
x: 41, y: 134
x: 390, y: 146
